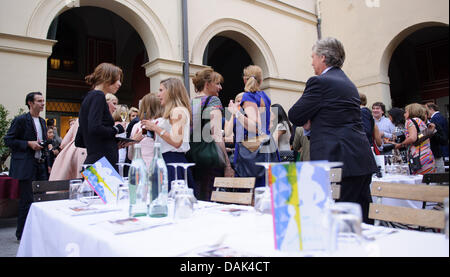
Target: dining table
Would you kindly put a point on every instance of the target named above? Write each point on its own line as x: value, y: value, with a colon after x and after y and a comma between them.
x: 69, y: 228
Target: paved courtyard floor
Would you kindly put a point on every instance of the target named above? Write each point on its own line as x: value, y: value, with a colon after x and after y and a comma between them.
x: 8, y: 242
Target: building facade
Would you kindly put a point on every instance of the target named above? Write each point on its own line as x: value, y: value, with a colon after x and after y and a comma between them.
x: 50, y: 45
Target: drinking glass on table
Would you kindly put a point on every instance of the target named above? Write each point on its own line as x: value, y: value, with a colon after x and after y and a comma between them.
x: 176, y: 187
x: 74, y: 187
x: 122, y: 196
x: 186, y: 166
x: 184, y: 204
x: 121, y: 167
x: 446, y: 217
x: 175, y: 165
x: 262, y: 200
x: 346, y: 219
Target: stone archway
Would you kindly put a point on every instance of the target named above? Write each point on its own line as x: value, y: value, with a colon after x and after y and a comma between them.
x: 242, y: 33
x: 404, y: 65
x: 136, y: 13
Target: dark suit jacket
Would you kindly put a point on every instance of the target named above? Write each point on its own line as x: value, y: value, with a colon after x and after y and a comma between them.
x: 21, y: 131
x: 331, y: 102
x: 438, y: 119
x: 96, y: 132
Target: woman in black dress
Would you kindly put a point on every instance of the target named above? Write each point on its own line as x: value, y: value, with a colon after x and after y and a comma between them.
x: 97, y: 132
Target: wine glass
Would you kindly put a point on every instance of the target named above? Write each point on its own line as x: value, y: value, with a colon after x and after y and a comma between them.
x: 123, y: 112
x: 121, y: 166
x: 186, y: 166
x: 175, y: 165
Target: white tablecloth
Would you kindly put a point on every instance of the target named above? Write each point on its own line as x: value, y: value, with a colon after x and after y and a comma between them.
x: 51, y: 232
x: 406, y: 179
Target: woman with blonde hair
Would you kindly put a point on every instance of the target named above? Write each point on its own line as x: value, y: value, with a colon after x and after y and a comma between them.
x: 255, y: 123
x: 132, y: 113
x: 97, y: 132
x: 173, y: 128
x: 207, y: 108
x: 149, y: 109
x: 416, y: 116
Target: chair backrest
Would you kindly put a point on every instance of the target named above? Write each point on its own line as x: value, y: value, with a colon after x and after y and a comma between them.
x: 439, y: 178
x: 50, y: 190
x: 335, y: 180
x: 244, y: 198
x: 417, y: 192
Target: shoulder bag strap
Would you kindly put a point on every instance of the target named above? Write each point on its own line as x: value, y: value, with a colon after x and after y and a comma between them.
x: 418, y: 129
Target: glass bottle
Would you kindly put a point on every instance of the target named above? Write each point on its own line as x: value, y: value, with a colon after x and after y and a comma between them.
x: 159, y: 184
x: 138, y: 184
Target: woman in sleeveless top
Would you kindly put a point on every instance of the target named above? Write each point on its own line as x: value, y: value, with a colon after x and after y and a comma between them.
x: 172, y: 129
x: 256, y: 121
x: 417, y: 113
x: 207, y: 84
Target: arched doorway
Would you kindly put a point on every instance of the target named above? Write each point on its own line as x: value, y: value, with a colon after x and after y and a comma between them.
x: 229, y: 58
x: 87, y: 36
x: 418, y: 69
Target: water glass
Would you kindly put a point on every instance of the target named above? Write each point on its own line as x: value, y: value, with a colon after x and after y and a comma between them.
x: 85, y: 190
x: 346, y: 221
x: 262, y: 200
x: 74, y: 187
x: 176, y: 187
x: 122, y: 196
x: 184, y: 204
x: 446, y: 217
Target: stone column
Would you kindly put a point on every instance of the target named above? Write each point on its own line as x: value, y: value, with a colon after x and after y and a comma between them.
x: 23, y: 69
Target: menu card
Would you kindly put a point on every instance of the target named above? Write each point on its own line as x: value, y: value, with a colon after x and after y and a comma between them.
x: 299, y: 194
x: 132, y: 224
x: 103, y: 179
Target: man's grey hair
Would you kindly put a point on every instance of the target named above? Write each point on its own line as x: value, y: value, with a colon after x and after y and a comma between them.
x: 332, y: 49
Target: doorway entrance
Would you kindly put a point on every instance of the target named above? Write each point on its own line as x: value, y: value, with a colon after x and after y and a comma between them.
x: 418, y: 70
x: 86, y: 37
x: 229, y: 58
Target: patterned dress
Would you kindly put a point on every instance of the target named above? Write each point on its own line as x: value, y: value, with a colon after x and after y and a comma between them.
x: 426, y: 156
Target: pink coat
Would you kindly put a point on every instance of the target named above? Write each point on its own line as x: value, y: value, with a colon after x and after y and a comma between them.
x: 68, y: 163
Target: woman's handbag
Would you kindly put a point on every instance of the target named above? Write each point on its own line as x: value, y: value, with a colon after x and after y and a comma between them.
x: 246, y: 159
x: 414, y: 162
x: 206, y: 154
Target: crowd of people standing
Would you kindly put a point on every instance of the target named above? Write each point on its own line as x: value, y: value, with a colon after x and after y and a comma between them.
x: 330, y: 122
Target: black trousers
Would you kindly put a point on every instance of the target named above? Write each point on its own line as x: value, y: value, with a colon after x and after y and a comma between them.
x: 40, y: 173
x: 357, y: 189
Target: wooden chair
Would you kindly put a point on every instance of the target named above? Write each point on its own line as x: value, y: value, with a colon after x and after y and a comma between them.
x: 335, y: 180
x: 244, y: 198
x: 50, y: 190
x: 403, y: 215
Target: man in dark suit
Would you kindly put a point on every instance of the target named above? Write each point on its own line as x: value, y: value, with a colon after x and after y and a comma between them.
x: 439, y: 142
x: 28, y: 163
x: 331, y: 104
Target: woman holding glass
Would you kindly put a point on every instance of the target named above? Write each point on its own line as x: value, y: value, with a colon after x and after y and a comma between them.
x: 172, y: 129
x: 149, y: 109
x: 417, y: 113
x: 97, y: 132
x: 254, y: 123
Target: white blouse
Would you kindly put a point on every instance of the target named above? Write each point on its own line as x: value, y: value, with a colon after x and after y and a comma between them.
x: 165, y: 124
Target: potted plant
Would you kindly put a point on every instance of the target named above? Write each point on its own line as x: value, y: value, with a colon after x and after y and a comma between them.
x: 4, y: 127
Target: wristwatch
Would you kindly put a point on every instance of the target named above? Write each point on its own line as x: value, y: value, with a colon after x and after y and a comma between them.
x: 162, y: 133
